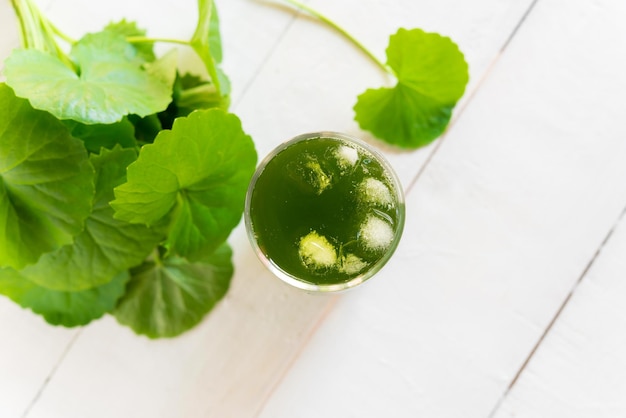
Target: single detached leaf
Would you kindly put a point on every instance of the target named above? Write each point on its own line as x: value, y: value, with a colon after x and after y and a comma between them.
x: 46, y: 183
x: 206, y: 40
x: 195, y: 176
x: 69, y: 309
x: 110, y: 83
x: 106, y: 246
x: 99, y: 136
x: 167, y: 298
x: 432, y: 75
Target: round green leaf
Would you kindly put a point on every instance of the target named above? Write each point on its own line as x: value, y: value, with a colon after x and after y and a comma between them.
x: 432, y: 75
x: 106, y: 246
x: 110, y: 81
x: 429, y: 63
x: 195, y: 176
x: 167, y: 298
x: 46, y: 183
x: 401, y: 116
x: 69, y: 309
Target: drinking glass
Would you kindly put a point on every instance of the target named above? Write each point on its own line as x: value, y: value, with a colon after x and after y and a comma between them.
x: 324, y: 211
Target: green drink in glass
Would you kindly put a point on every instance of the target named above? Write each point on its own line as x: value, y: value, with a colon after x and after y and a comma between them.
x: 324, y: 211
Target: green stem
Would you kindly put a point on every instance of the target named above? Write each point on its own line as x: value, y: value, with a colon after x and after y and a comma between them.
x: 201, y: 89
x: 50, y: 31
x: 28, y: 27
x: 144, y: 39
x: 343, y: 32
x: 59, y: 33
x: 37, y: 32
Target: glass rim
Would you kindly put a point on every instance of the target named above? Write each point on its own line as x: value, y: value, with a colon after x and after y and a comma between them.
x: 357, y: 280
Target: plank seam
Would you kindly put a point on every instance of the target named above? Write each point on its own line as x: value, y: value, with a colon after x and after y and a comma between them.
x: 45, y: 383
x: 308, y: 337
x: 268, y: 55
x: 557, y: 315
x: 471, y: 96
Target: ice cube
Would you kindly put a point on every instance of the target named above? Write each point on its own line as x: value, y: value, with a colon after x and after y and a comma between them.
x: 375, y: 233
x: 346, y: 156
x: 374, y: 191
x: 351, y: 264
x: 308, y: 174
x: 316, y: 251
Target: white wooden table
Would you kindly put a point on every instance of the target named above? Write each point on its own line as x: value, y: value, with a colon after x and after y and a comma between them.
x: 506, y: 297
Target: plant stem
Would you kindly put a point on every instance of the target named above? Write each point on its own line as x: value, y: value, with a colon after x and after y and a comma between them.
x: 157, y: 256
x: 343, y: 32
x: 59, y: 33
x: 28, y: 27
x: 144, y: 39
x: 37, y: 32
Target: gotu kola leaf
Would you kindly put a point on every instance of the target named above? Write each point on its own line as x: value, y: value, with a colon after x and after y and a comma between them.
x: 109, y: 82
x: 166, y: 297
x: 432, y: 75
x: 106, y: 246
x: 194, y: 178
x: 69, y: 309
x: 46, y: 183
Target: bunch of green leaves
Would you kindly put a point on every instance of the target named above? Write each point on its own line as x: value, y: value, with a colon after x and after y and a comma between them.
x: 120, y: 178
x: 431, y: 75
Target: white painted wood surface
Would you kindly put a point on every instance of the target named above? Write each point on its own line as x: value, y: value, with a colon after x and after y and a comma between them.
x: 579, y: 370
x: 509, y: 210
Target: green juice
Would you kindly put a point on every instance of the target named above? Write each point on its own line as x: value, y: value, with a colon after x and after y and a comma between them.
x: 325, y: 211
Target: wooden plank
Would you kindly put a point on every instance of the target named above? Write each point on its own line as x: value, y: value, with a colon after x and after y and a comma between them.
x: 580, y: 368
x: 30, y: 351
x: 500, y: 226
